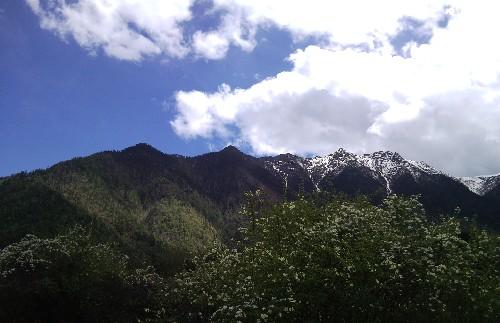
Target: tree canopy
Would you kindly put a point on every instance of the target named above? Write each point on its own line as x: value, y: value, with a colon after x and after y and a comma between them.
x: 345, y: 261
x: 72, y: 278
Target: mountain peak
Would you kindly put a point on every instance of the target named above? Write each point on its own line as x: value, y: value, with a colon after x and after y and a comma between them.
x: 481, y: 185
x: 342, y: 152
x: 143, y: 145
x: 386, y: 155
x: 231, y: 149
x: 230, y: 153
x: 384, y: 166
x: 142, y: 148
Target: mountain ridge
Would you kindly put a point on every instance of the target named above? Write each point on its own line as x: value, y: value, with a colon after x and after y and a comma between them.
x: 385, y: 163
x: 135, y: 194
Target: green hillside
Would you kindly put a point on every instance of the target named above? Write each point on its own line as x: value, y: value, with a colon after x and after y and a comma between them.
x: 136, y: 202
x: 141, y: 235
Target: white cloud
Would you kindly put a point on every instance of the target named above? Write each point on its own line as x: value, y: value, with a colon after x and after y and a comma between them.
x: 210, y: 45
x: 134, y: 29
x: 439, y: 103
x: 340, y: 22
x: 353, y: 88
x: 233, y: 30
x: 123, y: 29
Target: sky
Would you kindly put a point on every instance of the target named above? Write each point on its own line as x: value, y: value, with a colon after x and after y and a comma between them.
x: 306, y: 77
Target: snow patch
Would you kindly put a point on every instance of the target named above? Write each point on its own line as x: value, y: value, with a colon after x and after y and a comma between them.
x: 384, y: 166
x: 481, y: 184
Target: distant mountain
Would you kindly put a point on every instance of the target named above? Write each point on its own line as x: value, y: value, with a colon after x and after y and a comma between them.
x: 384, y: 167
x: 481, y: 185
x: 384, y: 172
x: 161, y: 207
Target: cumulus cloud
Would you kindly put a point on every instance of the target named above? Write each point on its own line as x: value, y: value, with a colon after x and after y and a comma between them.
x: 336, y: 22
x: 210, y: 45
x: 234, y: 29
x: 123, y: 29
x: 418, y: 77
x: 439, y: 102
x: 342, y: 22
x: 134, y: 29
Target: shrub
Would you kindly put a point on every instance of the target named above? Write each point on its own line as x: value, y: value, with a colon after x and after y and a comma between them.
x: 344, y: 261
x: 73, y: 278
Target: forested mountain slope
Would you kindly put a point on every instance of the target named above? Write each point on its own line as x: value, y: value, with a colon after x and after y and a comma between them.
x: 160, y: 208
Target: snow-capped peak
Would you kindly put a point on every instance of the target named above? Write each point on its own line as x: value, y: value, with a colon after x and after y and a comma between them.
x: 389, y: 165
x: 384, y: 166
x: 481, y: 184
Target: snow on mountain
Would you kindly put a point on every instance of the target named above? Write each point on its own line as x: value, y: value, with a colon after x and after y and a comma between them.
x: 384, y: 166
x: 320, y: 166
x: 284, y: 165
x: 481, y: 184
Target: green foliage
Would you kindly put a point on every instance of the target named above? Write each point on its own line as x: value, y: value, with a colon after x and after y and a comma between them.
x: 344, y: 261
x: 73, y: 278
x: 29, y: 207
x: 177, y: 225
x: 120, y: 198
x: 320, y: 259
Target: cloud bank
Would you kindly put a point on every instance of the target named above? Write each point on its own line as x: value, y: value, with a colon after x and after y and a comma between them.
x: 437, y: 101
x: 136, y: 29
x: 124, y: 29
x: 417, y: 77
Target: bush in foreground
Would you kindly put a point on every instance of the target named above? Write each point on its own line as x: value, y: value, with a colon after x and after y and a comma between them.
x: 71, y: 278
x: 345, y: 262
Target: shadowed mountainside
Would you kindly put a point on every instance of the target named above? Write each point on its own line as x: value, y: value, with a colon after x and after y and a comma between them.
x: 161, y: 208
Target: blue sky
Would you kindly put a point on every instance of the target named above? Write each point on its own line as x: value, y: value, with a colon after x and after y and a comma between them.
x: 188, y: 76
x: 58, y: 102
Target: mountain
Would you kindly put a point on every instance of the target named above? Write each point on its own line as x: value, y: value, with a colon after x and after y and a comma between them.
x: 481, y: 185
x: 384, y: 172
x: 161, y: 208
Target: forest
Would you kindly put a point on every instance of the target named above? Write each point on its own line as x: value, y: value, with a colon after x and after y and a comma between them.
x: 313, y: 259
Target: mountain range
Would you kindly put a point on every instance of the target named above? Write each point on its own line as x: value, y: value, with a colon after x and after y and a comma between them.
x: 161, y: 208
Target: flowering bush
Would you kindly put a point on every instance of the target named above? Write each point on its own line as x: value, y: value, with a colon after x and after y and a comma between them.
x: 344, y: 261
x: 73, y: 278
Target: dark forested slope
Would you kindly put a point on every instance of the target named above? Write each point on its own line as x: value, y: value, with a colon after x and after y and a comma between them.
x: 160, y: 208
